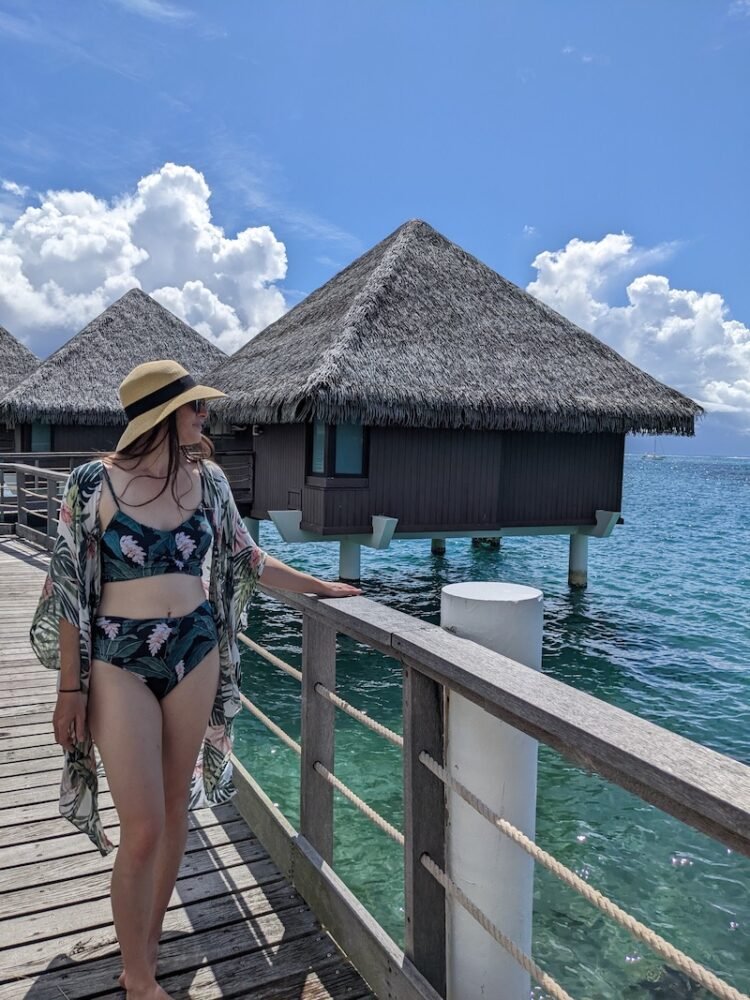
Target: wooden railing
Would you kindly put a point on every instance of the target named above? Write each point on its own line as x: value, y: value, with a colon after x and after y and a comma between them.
x: 704, y: 789
x: 33, y: 496
x: 238, y: 465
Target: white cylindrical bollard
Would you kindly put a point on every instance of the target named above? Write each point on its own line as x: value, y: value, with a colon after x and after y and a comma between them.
x: 349, y: 561
x: 498, y: 763
x: 578, y: 559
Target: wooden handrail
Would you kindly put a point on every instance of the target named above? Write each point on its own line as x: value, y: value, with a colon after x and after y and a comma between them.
x: 699, y: 786
x: 34, y: 470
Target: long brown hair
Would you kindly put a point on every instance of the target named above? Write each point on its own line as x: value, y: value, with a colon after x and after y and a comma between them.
x: 148, y: 442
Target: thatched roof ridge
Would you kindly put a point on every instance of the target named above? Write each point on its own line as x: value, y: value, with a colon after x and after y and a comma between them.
x: 16, y: 361
x: 417, y: 332
x: 78, y: 383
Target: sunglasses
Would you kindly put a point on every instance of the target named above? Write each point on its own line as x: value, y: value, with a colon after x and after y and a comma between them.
x: 198, y: 405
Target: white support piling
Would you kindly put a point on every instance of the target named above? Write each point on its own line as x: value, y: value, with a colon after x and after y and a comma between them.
x: 349, y: 561
x: 438, y: 547
x: 253, y: 526
x: 578, y: 561
x: 499, y: 764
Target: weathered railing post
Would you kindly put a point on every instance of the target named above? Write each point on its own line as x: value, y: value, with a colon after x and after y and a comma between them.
x: 318, y: 725
x: 51, y: 511
x: 424, y: 827
x: 22, y: 516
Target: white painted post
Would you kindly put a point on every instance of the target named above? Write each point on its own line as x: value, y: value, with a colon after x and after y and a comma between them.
x: 498, y: 763
x: 349, y: 561
x: 438, y: 547
x: 253, y: 526
x: 578, y: 560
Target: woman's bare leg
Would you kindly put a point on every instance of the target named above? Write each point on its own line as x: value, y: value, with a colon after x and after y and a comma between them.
x: 185, y: 714
x: 126, y: 725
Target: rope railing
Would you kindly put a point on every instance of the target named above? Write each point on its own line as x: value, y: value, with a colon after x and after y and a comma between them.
x: 324, y: 692
x: 537, y: 974
x: 654, y: 941
x: 323, y: 771
x: 39, y: 495
x: 363, y: 807
x: 271, y: 657
x: 355, y: 713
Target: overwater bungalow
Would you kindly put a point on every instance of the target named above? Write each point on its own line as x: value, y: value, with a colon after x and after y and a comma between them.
x: 419, y: 394
x: 16, y: 362
x: 70, y: 402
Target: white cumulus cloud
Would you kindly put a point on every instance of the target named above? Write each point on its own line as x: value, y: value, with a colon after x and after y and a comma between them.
x: 66, y: 259
x: 683, y: 337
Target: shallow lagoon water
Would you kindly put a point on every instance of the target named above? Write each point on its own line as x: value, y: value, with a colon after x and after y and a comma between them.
x: 663, y: 631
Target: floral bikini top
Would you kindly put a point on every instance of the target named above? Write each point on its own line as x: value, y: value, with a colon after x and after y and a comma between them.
x: 131, y: 550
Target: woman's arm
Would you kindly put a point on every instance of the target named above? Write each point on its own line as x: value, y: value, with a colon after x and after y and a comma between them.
x: 279, y: 576
x: 69, y: 715
x: 70, y: 655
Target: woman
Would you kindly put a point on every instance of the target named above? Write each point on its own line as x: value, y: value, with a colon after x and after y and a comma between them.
x: 150, y: 577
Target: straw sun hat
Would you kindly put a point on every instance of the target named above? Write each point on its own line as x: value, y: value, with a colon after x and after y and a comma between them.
x: 154, y: 390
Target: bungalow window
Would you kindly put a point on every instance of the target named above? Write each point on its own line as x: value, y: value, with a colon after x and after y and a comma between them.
x: 337, y: 450
x: 350, y: 452
x: 318, y: 467
x: 41, y: 437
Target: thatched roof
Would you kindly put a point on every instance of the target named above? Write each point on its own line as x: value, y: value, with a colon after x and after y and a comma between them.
x: 419, y: 333
x: 16, y: 361
x: 78, y: 383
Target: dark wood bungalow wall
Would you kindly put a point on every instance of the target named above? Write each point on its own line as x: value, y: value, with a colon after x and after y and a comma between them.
x: 434, y: 480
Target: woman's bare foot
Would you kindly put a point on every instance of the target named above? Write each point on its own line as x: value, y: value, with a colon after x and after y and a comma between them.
x: 153, y: 949
x: 146, y: 991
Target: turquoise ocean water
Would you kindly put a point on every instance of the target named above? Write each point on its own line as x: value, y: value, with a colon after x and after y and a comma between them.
x: 663, y: 631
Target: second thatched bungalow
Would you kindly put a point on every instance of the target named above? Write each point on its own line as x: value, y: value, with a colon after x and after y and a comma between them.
x: 420, y: 394
x: 70, y: 404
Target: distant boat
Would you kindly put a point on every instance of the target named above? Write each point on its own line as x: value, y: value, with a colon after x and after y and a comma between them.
x: 653, y: 454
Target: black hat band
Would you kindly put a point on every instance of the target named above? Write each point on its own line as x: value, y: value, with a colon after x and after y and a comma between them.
x: 160, y: 396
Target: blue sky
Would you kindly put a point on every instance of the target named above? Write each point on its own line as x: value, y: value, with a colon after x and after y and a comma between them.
x: 517, y: 129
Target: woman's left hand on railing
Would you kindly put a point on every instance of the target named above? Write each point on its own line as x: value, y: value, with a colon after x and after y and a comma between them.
x: 335, y: 589
x: 279, y: 576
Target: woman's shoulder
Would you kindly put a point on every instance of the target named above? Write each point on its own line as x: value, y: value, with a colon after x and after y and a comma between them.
x: 87, y: 472
x: 214, y: 472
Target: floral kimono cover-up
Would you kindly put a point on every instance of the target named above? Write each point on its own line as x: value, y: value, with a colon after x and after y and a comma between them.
x: 72, y: 590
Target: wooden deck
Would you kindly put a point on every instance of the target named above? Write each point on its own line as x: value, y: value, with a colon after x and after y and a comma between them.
x: 235, y: 927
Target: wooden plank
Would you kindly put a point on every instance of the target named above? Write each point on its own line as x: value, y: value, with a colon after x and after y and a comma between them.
x: 35, y: 780
x: 374, y: 954
x: 29, y: 766
x: 78, y: 946
x: 94, y: 885
x: 318, y: 728
x: 33, y: 753
x: 30, y: 796
x: 424, y: 828
x: 63, y: 839
x: 273, y: 970
x: 27, y: 737
x: 49, y: 870
x: 98, y: 912
x: 264, y: 970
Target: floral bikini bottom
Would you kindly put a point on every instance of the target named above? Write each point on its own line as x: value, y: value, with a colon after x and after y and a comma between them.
x: 161, y: 651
